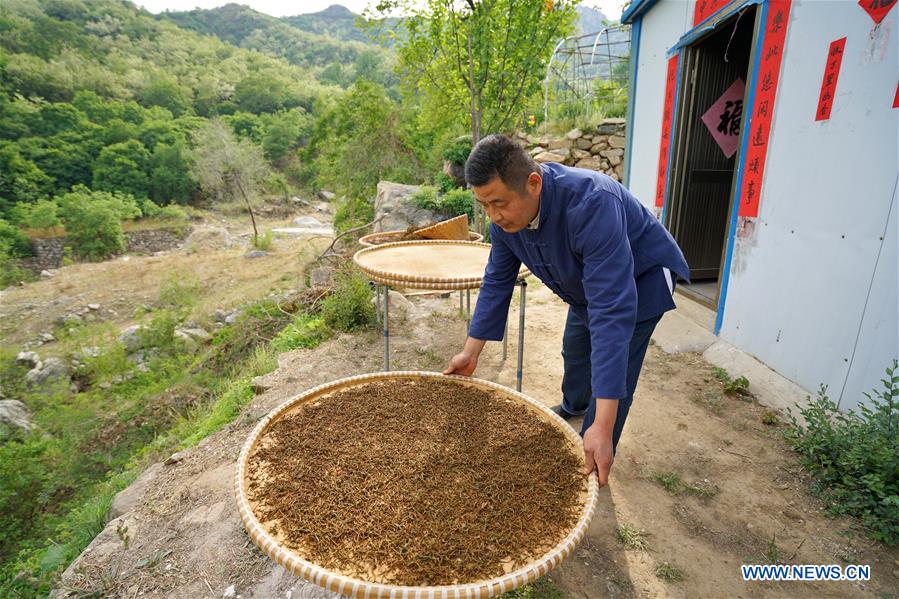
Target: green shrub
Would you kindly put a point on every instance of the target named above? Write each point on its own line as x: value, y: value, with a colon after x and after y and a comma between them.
x: 42, y: 214
x: 349, y: 307
x: 14, y: 242
x: 352, y: 212
x: 457, y: 202
x: 457, y: 150
x: 159, y: 331
x: 425, y: 197
x: 264, y: 242
x: 10, y: 271
x: 854, y: 457
x: 305, y: 332
x: 124, y: 206
x: 179, y: 290
x: 453, y: 203
x: 149, y: 208
x: 95, y: 230
x: 444, y: 182
x: 172, y: 212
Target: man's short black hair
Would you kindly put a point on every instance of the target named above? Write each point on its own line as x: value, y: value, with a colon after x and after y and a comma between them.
x: 499, y: 156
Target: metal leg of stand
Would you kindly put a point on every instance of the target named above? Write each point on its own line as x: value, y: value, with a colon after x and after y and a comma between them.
x: 461, y: 306
x: 378, y: 301
x: 386, y: 328
x: 524, y: 286
x: 506, y: 339
x: 467, y: 309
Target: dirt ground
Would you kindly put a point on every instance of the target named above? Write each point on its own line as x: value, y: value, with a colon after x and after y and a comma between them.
x: 184, y: 537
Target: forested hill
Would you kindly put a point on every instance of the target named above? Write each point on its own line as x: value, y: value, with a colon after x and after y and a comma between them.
x: 90, y: 85
x: 330, y: 37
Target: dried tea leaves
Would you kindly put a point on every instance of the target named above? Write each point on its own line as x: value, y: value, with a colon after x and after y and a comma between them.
x: 416, y: 482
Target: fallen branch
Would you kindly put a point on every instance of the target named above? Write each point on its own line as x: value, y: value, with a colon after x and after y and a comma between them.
x: 734, y: 453
x: 347, y: 232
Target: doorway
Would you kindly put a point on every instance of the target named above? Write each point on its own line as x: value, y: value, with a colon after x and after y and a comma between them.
x: 705, y: 150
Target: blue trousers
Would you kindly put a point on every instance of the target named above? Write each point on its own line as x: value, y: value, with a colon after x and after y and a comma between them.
x: 577, y: 398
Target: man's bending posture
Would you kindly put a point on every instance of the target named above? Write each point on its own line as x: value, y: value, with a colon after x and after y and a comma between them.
x: 599, y: 249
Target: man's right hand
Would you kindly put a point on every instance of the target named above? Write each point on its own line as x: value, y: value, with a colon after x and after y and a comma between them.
x: 466, y: 361
x: 462, y: 363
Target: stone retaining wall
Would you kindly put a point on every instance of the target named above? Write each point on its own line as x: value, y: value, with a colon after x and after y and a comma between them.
x: 599, y: 150
x: 49, y: 252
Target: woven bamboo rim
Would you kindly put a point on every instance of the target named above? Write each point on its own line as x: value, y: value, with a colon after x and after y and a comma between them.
x: 374, y: 239
x: 422, y: 281
x: 361, y: 589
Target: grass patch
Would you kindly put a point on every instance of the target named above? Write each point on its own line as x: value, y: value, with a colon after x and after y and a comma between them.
x: 541, y: 589
x: 632, y: 537
x: 674, y: 484
x: 773, y: 553
x: 770, y: 418
x: 670, y: 573
x: 733, y: 387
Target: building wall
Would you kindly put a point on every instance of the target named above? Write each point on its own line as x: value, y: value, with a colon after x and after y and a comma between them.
x: 662, y: 27
x: 812, y: 291
x: 813, y: 280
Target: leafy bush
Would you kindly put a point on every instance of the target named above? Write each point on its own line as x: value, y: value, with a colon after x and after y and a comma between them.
x: 149, y: 208
x: 352, y: 212
x: 124, y: 206
x: 453, y: 203
x: 95, y: 230
x: 457, y: 150
x: 14, y: 242
x: 854, y: 456
x: 349, y: 308
x: 425, y: 197
x: 444, y: 182
x: 457, y: 202
x: 42, y: 214
x: 305, y: 332
x: 264, y: 242
x: 10, y: 272
x: 172, y: 212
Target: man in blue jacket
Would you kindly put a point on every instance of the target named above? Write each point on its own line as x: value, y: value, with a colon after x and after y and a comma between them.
x: 599, y: 249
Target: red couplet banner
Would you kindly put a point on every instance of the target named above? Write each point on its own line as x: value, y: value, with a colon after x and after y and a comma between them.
x: 829, y: 83
x: 706, y: 8
x: 670, y: 89
x: 763, y: 106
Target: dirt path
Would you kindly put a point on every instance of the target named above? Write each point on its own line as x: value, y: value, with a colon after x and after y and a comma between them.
x: 742, y: 498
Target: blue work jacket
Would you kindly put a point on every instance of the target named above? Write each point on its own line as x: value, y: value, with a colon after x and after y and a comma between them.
x: 600, y: 250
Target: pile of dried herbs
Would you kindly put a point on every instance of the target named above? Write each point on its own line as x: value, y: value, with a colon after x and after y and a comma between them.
x: 416, y: 482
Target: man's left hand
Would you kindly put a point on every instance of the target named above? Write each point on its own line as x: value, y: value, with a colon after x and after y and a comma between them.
x: 598, y: 453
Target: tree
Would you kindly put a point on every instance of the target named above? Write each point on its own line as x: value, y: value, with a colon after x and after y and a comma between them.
x: 228, y: 169
x: 166, y: 92
x: 358, y: 141
x: 20, y: 179
x: 170, y: 178
x: 283, y: 132
x: 477, y: 61
x: 261, y: 92
x: 123, y: 167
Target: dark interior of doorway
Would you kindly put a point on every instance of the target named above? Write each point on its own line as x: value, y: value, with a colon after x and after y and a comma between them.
x: 702, y: 177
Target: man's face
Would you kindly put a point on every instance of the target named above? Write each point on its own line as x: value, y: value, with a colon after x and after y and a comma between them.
x: 508, y: 208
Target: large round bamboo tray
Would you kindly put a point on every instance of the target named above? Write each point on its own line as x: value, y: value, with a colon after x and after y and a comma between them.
x: 360, y: 589
x: 438, y: 264
x: 373, y: 239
